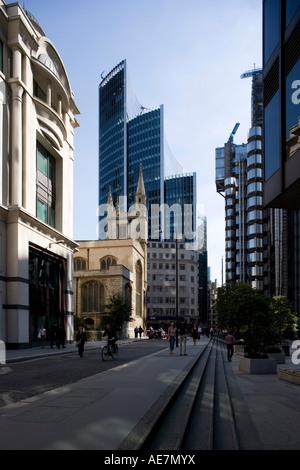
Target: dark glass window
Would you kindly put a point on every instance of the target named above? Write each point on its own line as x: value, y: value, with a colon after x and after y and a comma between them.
x: 271, y: 27
x: 272, y: 136
x: 45, y: 186
x: 292, y: 107
x: 38, y: 92
x: 291, y: 8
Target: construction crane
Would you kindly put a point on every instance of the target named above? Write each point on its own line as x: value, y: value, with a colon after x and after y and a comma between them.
x: 250, y: 73
x: 233, y: 132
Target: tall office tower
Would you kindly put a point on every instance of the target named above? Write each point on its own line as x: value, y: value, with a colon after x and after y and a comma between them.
x: 281, y: 60
x: 131, y: 135
x: 38, y: 119
x: 239, y: 177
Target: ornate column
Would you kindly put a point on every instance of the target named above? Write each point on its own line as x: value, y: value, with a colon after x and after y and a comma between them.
x: 16, y: 129
x: 49, y: 93
x: 16, y: 145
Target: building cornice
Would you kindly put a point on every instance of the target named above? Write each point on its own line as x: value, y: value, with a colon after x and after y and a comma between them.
x: 16, y: 214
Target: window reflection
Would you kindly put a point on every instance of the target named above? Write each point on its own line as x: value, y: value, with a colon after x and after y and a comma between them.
x: 291, y: 7
x: 293, y: 110
x: 271, y: 27
x: 272, y: 136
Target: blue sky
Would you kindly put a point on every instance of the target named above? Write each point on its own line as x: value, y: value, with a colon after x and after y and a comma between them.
x: 188, y: 56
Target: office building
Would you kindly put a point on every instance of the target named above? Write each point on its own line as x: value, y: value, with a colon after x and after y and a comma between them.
x: 212, y: 297
x: 172, y: 283
x: 281, y: 72
x: 38, y: 119
x: 131, y: 135
x: 239, y: 178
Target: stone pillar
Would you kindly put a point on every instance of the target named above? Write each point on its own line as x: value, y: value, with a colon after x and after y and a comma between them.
x: 17, y: 64
x: 49, y: 93
x: 16, y: 145
x: 59, y: 108
x: 16, y: 129
x: 2, y: 176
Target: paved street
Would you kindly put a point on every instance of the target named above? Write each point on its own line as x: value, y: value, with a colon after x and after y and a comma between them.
x: 99, y: 411
x: 21, y: 380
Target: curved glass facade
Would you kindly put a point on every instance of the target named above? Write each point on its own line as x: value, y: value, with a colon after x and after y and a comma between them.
x: 144, y: 146
x: 130, y: 135
x: 112, y: 134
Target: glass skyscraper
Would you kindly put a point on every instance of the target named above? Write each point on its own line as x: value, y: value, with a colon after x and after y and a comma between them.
x: 130, y: 135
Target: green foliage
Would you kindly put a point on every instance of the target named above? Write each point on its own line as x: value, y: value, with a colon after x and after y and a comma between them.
x: 284, y: 317
x: 256, y: 339
x: 238, y: 305
x: 239, y: 342
x: 246, y: 311
x: 118, y: 312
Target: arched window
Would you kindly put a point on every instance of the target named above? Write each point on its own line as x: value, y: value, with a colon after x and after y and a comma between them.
x: 128, y: 293
x: 139, y: 288
x: 92, y: 297
x: 79, y: 264
x: 105, y: 263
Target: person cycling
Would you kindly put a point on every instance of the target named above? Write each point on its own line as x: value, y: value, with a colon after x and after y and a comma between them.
x: 111, y: 336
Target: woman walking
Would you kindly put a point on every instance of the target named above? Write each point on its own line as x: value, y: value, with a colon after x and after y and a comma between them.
x: 42, y: 336
x: 195, y: 334
x: 171, y: 337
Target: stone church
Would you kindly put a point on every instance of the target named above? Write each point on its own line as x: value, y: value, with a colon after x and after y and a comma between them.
x: 117, y: 264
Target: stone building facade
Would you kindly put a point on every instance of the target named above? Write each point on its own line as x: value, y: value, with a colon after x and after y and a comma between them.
x: 37, y: 121
x: 115, y: 265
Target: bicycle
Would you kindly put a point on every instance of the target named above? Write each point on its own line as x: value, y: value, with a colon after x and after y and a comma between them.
x: 109, y: 351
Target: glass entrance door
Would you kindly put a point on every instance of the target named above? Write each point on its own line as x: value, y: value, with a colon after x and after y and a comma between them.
x: 45, y: 292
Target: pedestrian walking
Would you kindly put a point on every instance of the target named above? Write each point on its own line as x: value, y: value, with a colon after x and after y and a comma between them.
x: 140, y: 331
x: 80, y: 340
x: 182, y: 327
x: 171, y: 337
x: 53, y: 335
x: 195, y: 334
x: 136, y: 330
x: 199, y: 331
x: 229, y: 340
x: 42, y: 335
x: 61, y: 337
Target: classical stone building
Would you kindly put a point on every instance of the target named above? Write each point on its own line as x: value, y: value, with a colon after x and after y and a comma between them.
x: 117, y: 264
x: 37, y: 122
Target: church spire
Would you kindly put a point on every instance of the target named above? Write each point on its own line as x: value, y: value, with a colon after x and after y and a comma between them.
x: 140, y: 196
x: 110, y: 199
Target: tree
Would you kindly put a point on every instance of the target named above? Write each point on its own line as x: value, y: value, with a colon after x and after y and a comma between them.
x: 284, y: 316
x: 119, y: 311
x: 238, y: 305
x: 246, y: 311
